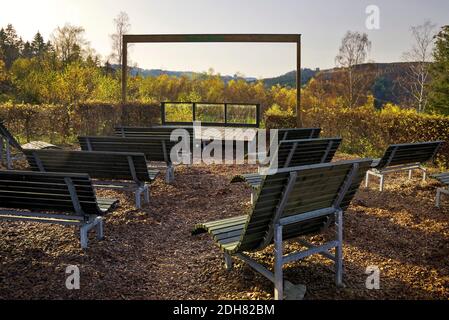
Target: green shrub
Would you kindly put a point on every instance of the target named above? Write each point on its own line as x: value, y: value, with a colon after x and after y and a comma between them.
x: 367, y: 132
x: 62, y: 124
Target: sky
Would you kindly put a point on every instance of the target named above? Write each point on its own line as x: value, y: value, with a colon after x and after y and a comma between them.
x: 322, y: 23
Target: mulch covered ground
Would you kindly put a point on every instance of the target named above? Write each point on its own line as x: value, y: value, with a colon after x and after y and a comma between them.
x: 150, y: 254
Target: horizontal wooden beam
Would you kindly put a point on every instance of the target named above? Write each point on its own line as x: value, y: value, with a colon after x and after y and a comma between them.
x: 143, y: 38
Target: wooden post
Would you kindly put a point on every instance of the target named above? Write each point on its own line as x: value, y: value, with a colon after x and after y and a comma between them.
x: 298, y: 82
x: 124, y: 68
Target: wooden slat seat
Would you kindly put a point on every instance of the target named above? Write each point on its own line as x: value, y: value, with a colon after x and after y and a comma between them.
x: 404, y: 157
x: 290, y: 203
x: 115, y: 166
x: 155, y: 131
x: 298, y: 133
x: 290, y: 134
x: 62, y: 198
x: 293, y: 153
x: 444, y: 179
x: 149, y: 131
x: 155, y: 148
x: 160, y: 131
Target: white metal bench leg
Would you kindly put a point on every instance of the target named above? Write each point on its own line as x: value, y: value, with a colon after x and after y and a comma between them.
x: 339, y: 251
x: 440, y: 191
x: 138, y: 197
x: 97, y: 223
x: 366, y: 179
x: 410, y: 173
x: 167, y: 176
x: 146, y: 194
x: 381, y: 177
x: 142, y: 190
x: 278, y: 262
x: 424, y: 175
x: 83, y: 236
x: 381, y: 183
x: 438, y: 198
x: 253, y: 196
x: 170, y: 174
x: 228, y: 261
x: 100, y: 229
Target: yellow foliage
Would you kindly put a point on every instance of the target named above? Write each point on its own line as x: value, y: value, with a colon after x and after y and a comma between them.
x: 368, y: 132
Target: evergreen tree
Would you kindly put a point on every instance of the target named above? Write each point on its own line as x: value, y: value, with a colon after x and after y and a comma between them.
x: 10, y: 45
x: 108, y: 69
x: 39, y: 46
x: 382, y: 92
x: 439, y: 87
x: 27, y: 50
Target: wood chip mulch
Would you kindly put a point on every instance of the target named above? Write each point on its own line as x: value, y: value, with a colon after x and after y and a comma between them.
x: 150, y: 254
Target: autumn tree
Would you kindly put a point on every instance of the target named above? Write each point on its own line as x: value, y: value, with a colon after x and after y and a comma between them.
x: 69, y: 43
x: 439, y: 86
x: 354, y: 51
x: 416, y: 78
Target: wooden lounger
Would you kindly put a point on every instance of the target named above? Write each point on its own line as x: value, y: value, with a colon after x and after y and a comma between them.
x: 298, y: 133
x: 404, y: 157
x: 143, y: 132
x: 289, y: 134
x: 294, y: 153
x: 155, y: 149
x: 61, y: 198
x: 115, y: 166
x: 290, y: 203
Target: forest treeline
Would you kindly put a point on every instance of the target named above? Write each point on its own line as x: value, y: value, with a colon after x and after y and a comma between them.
x: 66, y: 70
x: 62, y: 84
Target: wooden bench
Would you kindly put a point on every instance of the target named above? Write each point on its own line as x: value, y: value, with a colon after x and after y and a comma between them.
x: 288, y: 134
x: 149, y: 131
x: 444, y: 179
x: 155, y: 149
x: 99, y: 165
x: 160, y: 131
x: 291, y: 203
x: 61, y: 198
x: 293, y: 153
x: 7, y: 141
x: 404, y: 157
x: 298, y: 133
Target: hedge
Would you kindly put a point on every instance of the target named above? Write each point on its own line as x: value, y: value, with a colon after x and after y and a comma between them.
x: 62, y: 124
x: 367, y: 132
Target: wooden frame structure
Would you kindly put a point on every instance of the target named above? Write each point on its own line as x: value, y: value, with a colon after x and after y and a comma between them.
x: 215, y: 38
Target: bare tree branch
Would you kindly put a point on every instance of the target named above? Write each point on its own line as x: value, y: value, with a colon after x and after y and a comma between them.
x: 122, y: 26
x: 416, y: 78
x: 354, y: 50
